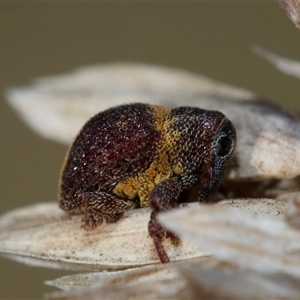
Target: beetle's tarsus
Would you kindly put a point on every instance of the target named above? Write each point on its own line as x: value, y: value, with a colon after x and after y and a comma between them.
x: 174, y: 239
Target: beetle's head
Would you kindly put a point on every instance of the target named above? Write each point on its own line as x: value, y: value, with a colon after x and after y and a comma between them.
x: 202, y: 142
x: 217, y: 159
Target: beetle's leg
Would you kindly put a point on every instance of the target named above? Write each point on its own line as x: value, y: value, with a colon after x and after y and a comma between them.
x: 158, y: 234
x: 100, y: 207
x: 163, y: 198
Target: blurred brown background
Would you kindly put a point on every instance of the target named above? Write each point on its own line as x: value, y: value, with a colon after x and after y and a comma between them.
x: 211, y: 38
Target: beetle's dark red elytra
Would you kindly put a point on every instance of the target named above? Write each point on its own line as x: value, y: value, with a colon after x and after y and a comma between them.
x: 140, y: 155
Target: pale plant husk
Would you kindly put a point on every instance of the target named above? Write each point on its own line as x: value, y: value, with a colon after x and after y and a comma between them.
x: 43, y: 232
x: 59, y: 238
x: 227, y: 281
x: 58, y: 106
x: 255, y: 242
x: 206, y: 278
x: 292, y: 209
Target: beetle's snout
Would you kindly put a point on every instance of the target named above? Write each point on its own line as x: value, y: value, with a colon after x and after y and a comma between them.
x: 210, y: 183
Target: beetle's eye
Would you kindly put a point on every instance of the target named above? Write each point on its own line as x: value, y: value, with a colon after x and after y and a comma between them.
x: 224, y: 145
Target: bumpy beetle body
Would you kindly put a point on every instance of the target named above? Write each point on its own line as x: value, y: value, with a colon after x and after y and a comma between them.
x: 142, y: 155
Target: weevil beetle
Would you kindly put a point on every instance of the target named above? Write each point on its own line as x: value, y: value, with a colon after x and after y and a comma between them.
x: 141, y: 155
